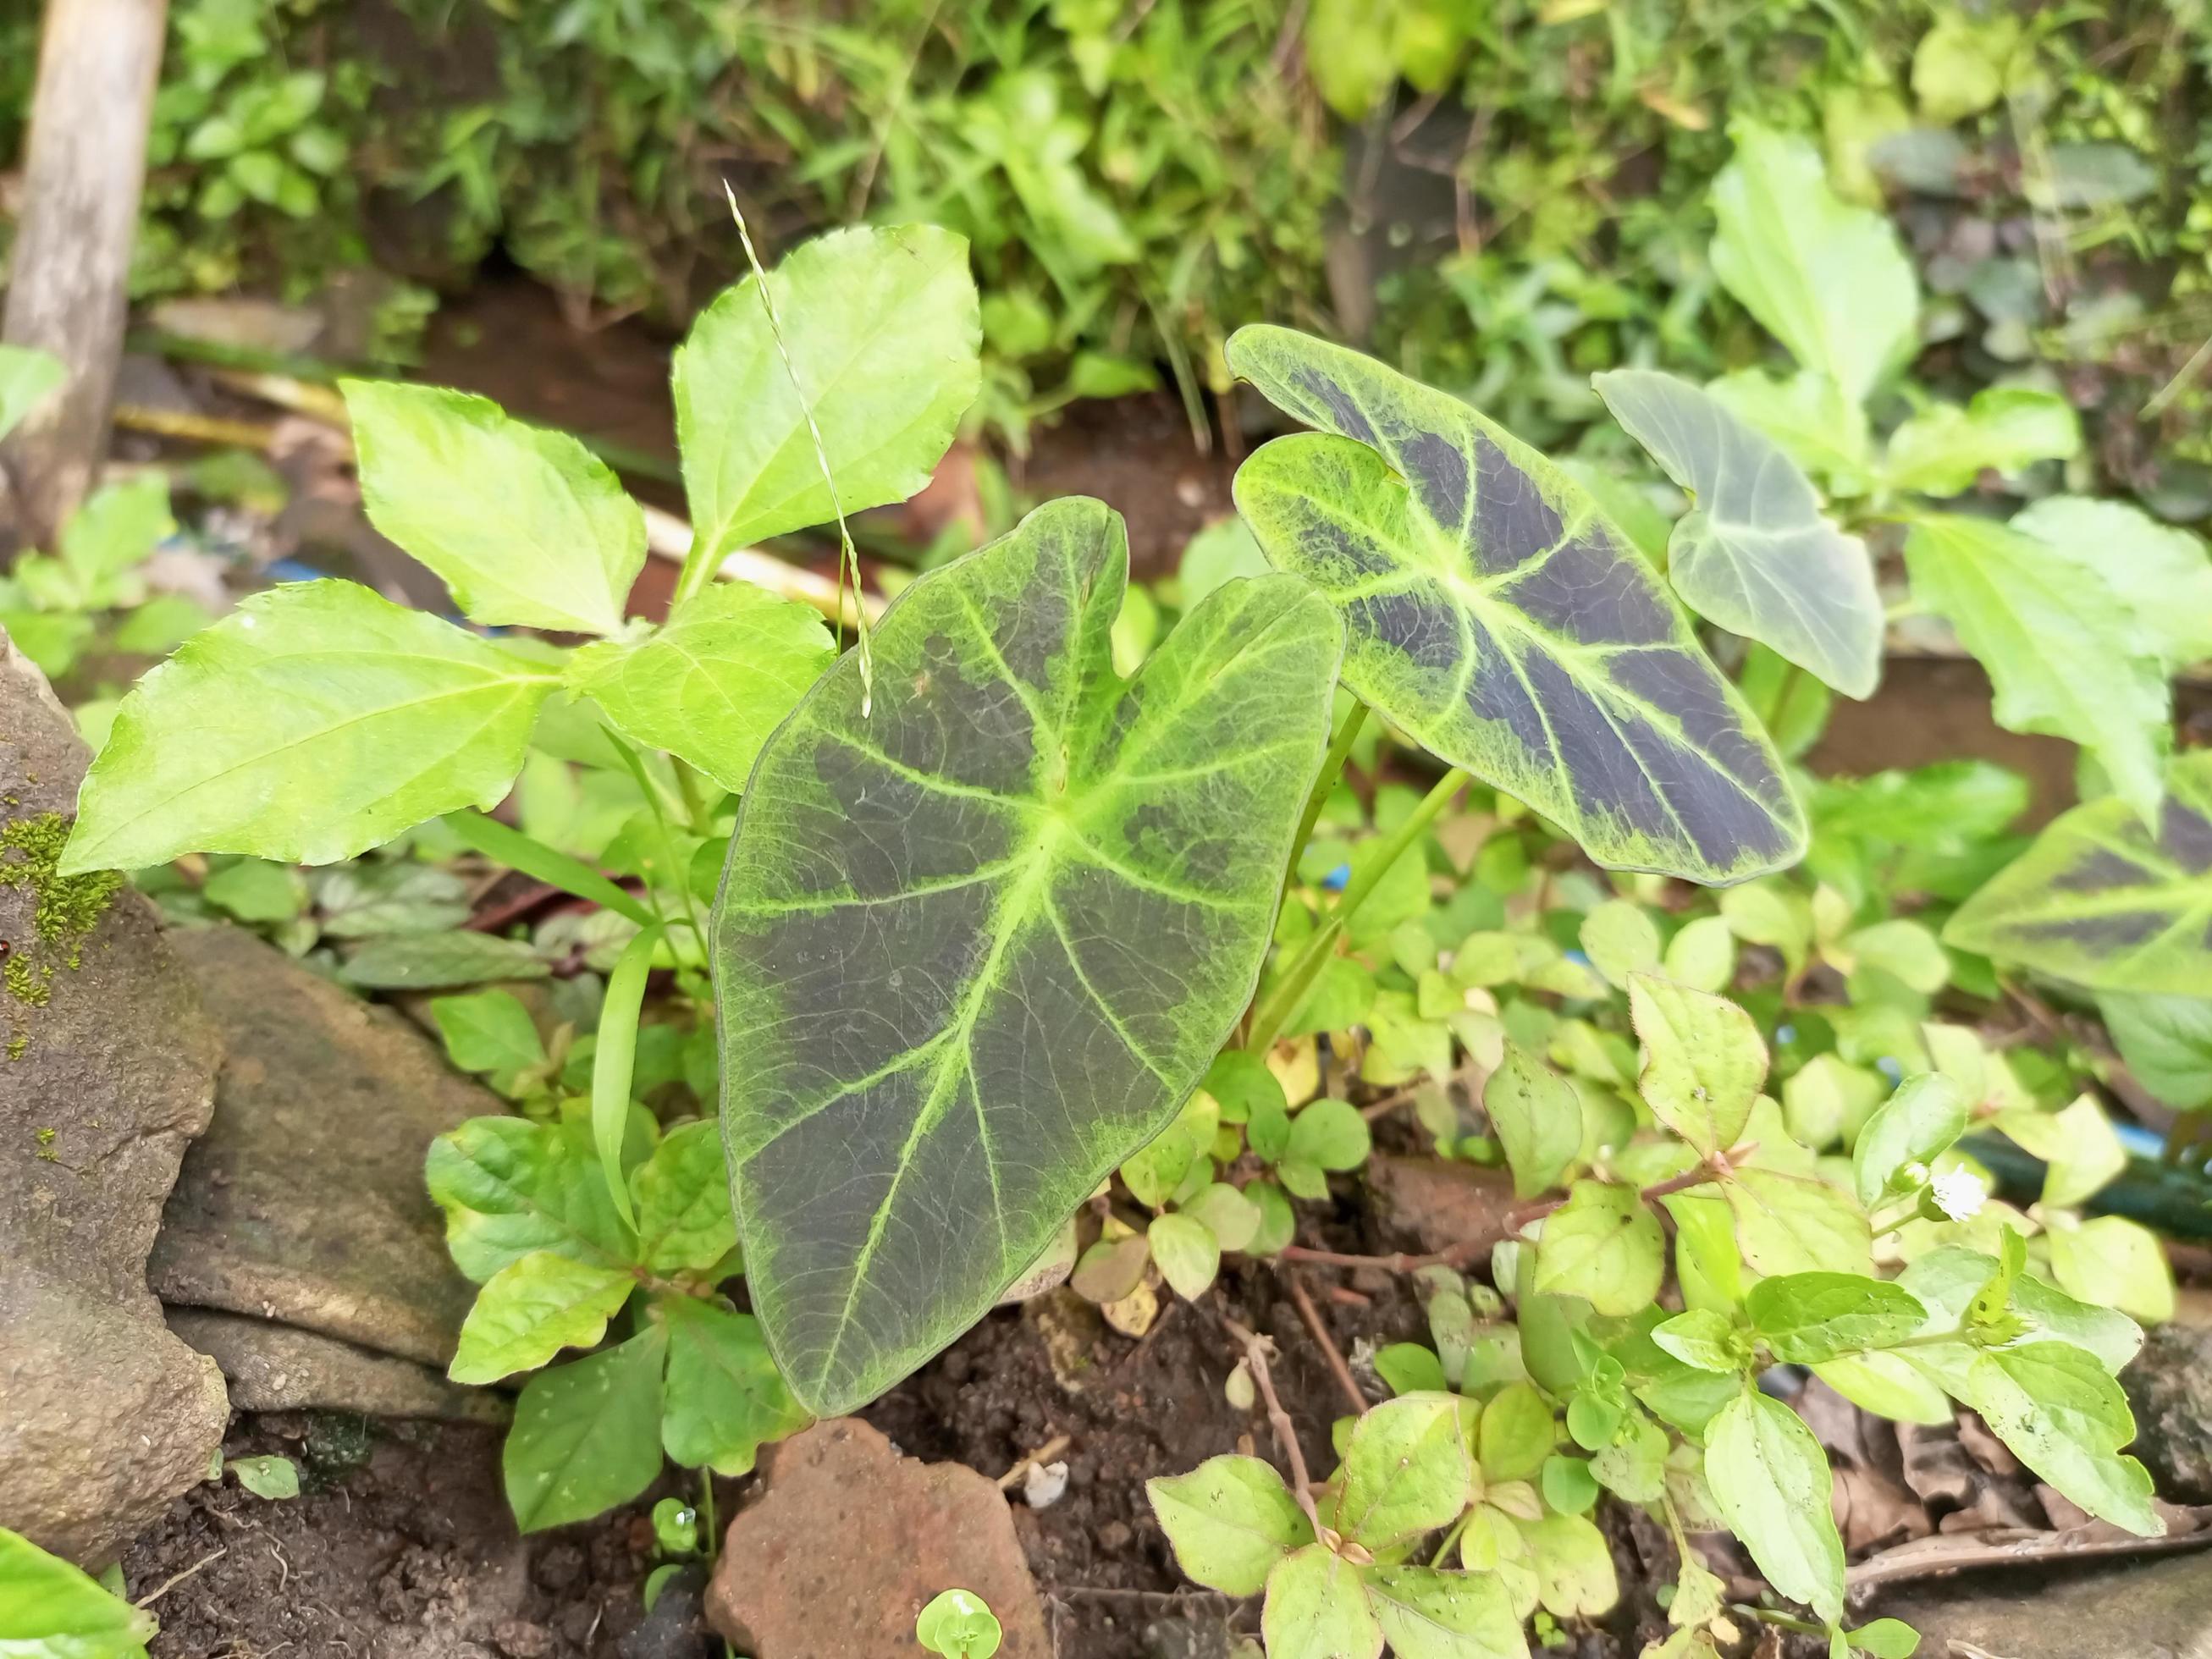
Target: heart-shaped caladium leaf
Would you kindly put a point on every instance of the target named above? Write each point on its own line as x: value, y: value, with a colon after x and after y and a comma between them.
x: 1494, y: 614
x: 977, y: 946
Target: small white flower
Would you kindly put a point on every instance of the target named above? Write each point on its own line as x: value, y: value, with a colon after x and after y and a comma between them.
x: 1959, y: 1193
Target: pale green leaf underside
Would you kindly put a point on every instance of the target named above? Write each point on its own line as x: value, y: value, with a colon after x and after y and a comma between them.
x: 2063, y: 651
x: 883, y: 328
x: 711, y: 685
x: 528, y: 527
x: 315, y: 722
x: 1754, y: 555
x: 1493, y: 614
x: 2100, y: 900
x: 976, y: 947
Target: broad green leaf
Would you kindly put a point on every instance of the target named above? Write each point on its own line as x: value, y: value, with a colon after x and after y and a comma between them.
x: 1702, y: 955
x: 1428, y: 1614
x: 2161, y: 574
x: 725, y: 1398
x: 1050, y: 892
x: 437, y: 961
x: 1497, y: 617
x: 1187, y: 1253
x: 254, y: 889
x: 1771, y: 1479
x: 2098, y: 899
x: 2112, y: 1260
x: 1316, y: 1609
x: 1538, y: 1119
x: 49, y: 1609
x: 1754, y: 554
x: 27, y: 379
x: 1949, y: 1280
x: 1787, y: 1224
x: 488, y: 1031
x: 1808, y: 1318
x: 1575, y: 1575
x: 682, y: 1195
x: 509, y: 1186
x: 2078, y: 1146
x: 532, y: 1309
x: 1604, y: 1246
x: 2167, y: 1042
x: 1229, y: 1522
x: 1888, y: 1385
x: 2058, y: 1412
x: 1406, y: 1470
x: 881, y: 328
x: 1703, y: 1338
x: 315, y: 722
x: 276, y: 1478
x: 1703, y: 1060
x: 1913, y: 1126
x: 1943, y: 450
x: 528, y: 527
x: 586, y: 1434
x: 711, y: 685
x: 1821, y: 429
x: 1886, y: 1639
x: 1621, y: 938
x: 2063, y: 647
x: 1827, y: 280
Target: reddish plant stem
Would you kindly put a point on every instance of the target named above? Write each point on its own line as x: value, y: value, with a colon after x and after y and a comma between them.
x: 1286, y: 1434
x: 1346, y: 1381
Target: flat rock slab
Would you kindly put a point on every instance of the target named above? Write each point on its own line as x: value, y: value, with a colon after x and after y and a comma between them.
x: 850, y: 1541
x: 2170, y: 1386
x: 107, y: 1070
x: 2157, y: 1608
x: 282, y: 1368
x: 304, y: 1204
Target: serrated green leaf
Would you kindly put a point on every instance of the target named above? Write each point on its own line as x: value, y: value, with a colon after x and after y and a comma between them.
x: 883, y: 329
x: 526, y: 527
x: 1057, y: 888
x: 1943, y: 450
x: 586, y: 1434
x: 1428, y: 1614
x: 48, y: 1608
x: 1888, y: 1385
x: 2058, y: 1411
x: 1503, y: 622
x: 488, y: 1031
x: 1904, y: 950
x: 2062, y: 648
x: 711, y: 685
x: 1604, y: 1246
x: 1913, y: 1126
x: 1230, y: 1521
x: 1406, y: 1470
x: 509, y: 1186
x: 1829, y: 281
x: 27, y: 379
x: 313, y: 722
x: 2098, y: 899
x: 1771, y: 1479
x: 1808, y: 1318
x: 682, y: 1194
x: 532, y: 1309
x: 1316, y: 1609
x: 1703, y: 1060
x: 725, y: 1398
x: 1787, y: 1224
x: 1703, y: 1338
x: 1754, y: 555
x: 2161, y: 574
x: 1538, y: 1118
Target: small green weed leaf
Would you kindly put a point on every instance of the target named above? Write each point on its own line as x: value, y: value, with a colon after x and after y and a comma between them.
x: 1703, y: 1060
x: 528, y: 528
x: 1634, y: 1466
x: 2099, y: 899
x: 313, y: 722
x: 1428, y: 1614
x: 1493, y: 1542
x: 1950, y: 1280
x: 1828, y: 280
x: 1885, y: 1639
x: 1187, y: 1253
x: 113, y: 531
x: 1702, y: 955
x: 1112, y: 1268
x: 1243, y: 1087
x: 2060, y: 1413
x: 1904, y: 949
x: 883, y: 329
x: 2167, y: 1042
x: 1706, y: 1259
x: 1329, y: 1134
x: 1515, y: 1435
x: 682, y: 1196
x: 1964, y: 65
x: 1538, y: 1118
x: 1154, y: 1171
x: 1807, y: 1318
x: 532, y: 1309
x: 1621, y: 938
x: 1828, y: 1099
x: 1771, y: 1479
x: 27, y: 379
x: 510, y: 1186
x: 439, y: 962
x: 1230, y: 1521
x: 1754, y: 555
x: 586, y: 1434
x: 273, y: 1478
x: 1594, y: 1418
x: 675, y: 1529
x: 1502, y: 621
x: 2062, y: 648
x: 2161, y: 574
x: 959, y: 1625
x: 1789, y: 1224
x: 1221, y: 552
x: 1912, y: 1126
x: 2078, y: 1145
x: 1316, y: 1609
x: 48, y: 1608
x: 2112, y: 1260
x: 711, y: 685
x: 1406, y: 1470
x: 1053, y: 890
x: 1943, y: 450
x: 488, y: 1031
x: 1703, y: 1338
x: 254, y: 889
x: 1574, y: 1569
x: 725, y: 1397
x: 1228, y: 1214
x: 1772, y: 915
x: 1409, y: 1368
x: 1604, y: 1246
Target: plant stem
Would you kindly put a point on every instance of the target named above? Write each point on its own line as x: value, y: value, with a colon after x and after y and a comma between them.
x: 1332, y: 768
x: 1451, y: 1538
x: 696, y: 575
x: 1286, y: 1434
x: 706, y: 1517
x: 1290, y: 991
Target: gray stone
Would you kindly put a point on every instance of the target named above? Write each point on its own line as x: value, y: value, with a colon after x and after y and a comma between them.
x: 303, y: 1205
x: 2170, y: 1386
x: 282, y: 1368
x: 2159, y: 1608
x: 106, y: 1071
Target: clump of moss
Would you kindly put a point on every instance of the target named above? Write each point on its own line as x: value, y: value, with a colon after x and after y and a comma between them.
x: 66, y: 910
x: 18, y: 1045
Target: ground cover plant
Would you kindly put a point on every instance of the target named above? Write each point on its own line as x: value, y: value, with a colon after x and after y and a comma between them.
x: 1026, y: 935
